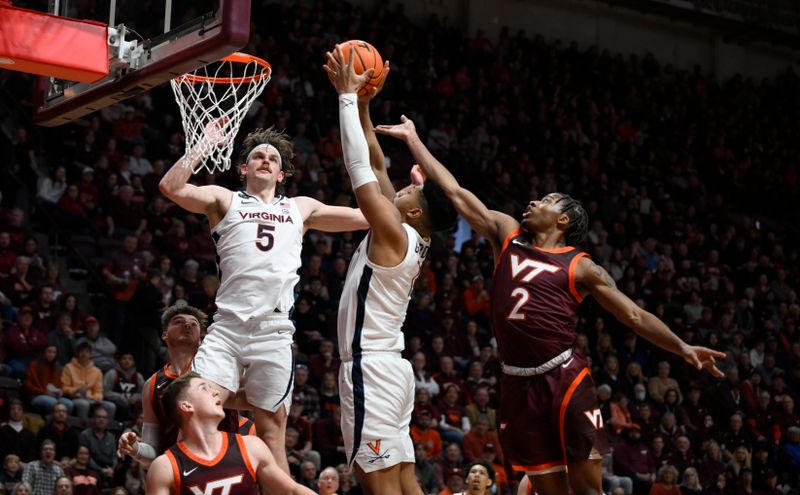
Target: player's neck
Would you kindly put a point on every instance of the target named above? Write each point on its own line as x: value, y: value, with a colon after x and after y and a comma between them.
x: 202, y: 437
x: 265, y: 192
x: 180, y: 360
x: 549, y: 239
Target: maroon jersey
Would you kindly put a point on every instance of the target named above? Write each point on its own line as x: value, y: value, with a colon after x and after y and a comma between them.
x: 229, y: 473
x: 168, y: 430
x: 534, y: 301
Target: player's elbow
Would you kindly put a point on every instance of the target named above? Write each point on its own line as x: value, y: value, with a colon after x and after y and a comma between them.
x: 632, y: 318
x: 165, y: 187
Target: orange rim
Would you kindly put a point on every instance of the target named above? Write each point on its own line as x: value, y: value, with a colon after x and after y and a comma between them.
x: 237, y: 57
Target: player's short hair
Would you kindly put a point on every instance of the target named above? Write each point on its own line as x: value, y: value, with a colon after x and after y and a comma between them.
x: 280, y: 140
x: 578, y: 225
x: 183, y: 309
x: 176, y: 392
x: 485, y: 464
x: 439, y: 212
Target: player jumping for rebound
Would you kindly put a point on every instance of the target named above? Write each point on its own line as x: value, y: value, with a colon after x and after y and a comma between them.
x: 258, y: 234
x: 210, y: 461
x: 550, y: 423
x: 376, y: 383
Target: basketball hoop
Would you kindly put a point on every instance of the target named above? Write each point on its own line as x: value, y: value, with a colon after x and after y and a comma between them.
x: 213, y: 100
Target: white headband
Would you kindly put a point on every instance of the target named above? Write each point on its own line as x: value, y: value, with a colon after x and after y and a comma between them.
x: 266, y: 146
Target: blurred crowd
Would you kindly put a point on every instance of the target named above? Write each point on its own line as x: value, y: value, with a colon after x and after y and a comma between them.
x: 690, y: 184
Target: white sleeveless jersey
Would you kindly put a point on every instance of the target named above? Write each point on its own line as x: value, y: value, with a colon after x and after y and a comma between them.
x: 258, y: 255
x: 375, y: 299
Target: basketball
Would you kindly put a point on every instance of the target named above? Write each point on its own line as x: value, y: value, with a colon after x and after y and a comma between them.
x: 367, y: 57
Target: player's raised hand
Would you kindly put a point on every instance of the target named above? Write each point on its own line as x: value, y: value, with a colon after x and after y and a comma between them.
x: 128, y: 444
x: 341, y: 72
x: 369, y: 95
x: 405, y: 130
x: 417, y: 175
x: 704, y: 358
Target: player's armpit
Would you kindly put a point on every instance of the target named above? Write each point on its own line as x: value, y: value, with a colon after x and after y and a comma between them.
x: 160, y: 480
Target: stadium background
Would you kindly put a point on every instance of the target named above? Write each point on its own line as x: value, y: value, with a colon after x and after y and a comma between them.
x: 676, y: 129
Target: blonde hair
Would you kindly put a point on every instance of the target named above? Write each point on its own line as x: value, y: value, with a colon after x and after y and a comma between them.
x: 663, y: 470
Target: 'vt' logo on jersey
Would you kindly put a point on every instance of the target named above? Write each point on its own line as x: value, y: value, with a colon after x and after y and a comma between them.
x: 224, y: 485
x: 595, y: 417
x: 531, y: 267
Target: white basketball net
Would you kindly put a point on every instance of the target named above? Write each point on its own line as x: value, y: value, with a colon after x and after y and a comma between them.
x: 213, y: 100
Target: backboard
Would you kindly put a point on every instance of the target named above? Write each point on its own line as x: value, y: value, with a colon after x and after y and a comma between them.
x: 149, y: 43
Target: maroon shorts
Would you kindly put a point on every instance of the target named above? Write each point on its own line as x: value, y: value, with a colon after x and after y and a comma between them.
x: 550, y: 420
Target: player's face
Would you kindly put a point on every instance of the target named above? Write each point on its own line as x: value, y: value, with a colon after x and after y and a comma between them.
x: 407, y: 198
x: 205, y: 398
x: 541, y: 214
x: 183, y: 330
x: 478, y: 477
x: 265, y: 164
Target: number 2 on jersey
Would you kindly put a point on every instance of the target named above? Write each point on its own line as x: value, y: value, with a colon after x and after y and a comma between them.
x: 523, y: 295
x: 264, y: 238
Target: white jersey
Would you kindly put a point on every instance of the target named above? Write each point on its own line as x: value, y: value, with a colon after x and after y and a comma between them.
x: 375, y: 299
x: 258, y: 255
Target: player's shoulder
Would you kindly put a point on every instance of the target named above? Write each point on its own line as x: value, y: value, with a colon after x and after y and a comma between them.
x: 160, y: 472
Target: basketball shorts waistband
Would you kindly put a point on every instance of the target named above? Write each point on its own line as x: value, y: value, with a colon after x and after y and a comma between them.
x: 541, y: 369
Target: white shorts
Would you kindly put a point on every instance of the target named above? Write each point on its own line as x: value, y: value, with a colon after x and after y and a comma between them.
x: 258, y: 350
x: 377, y: 396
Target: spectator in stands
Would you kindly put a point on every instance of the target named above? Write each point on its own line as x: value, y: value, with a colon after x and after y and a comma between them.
x: 23, y: 342
x: 59, y: 431
x: 101, y: 443
x: 83, y: 382
x: 87, y: 480
x: 328, y: 394
x: 666, y: 482
x: 64, y: 486
x: 43, y: 382
x: 12, y: 472
x: 422, y: 432
x: 422, y: 378
x: 8, y: 256
x: 425, y: 469
x: 43, y: 473
x: 658, y: 385
x: 453, y: 424
x: 308, y: 475
x: 61, y: 337
x: 324, y: 361
x: 103, y: 349
x: 123, y: 386
x: 327, y: 439
x: 631, y: 459
x: 15, y: 438
x: 305, y: 393
x: 480, y: 405
x: 480, y: 435
x: 22, y: 488
x: 328, y: 481
x: 302, y: 425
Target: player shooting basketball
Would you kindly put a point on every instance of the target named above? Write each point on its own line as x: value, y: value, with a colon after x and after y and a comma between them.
x: 377, y: 384
x: 549, y: 420
x: 258, y: 234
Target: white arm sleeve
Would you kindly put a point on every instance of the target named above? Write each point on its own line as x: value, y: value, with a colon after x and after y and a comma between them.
x: 354, y: 143
x: 148, y: 445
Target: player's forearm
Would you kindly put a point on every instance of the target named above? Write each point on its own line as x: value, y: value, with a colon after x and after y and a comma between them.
x: 354, y: 143
x: 433, y: 168
x: 376, y: 159
x: 177, y: 176
x: 654, y: 330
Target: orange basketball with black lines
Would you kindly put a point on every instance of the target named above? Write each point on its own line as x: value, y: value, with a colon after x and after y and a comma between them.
x: 367, y: 57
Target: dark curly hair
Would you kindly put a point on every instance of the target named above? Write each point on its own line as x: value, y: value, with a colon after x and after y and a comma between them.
x: 280, y: 140
x: 578, y: 219
x: 440, y: 214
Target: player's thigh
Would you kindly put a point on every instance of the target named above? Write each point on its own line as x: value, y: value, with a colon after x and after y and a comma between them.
x: 270, y: 424
x: 553, y: 483
x: 585, y: 477
x: 383, y: 482
x: 219, y: 358
x: 270, y: 374
x: 408, y: 480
